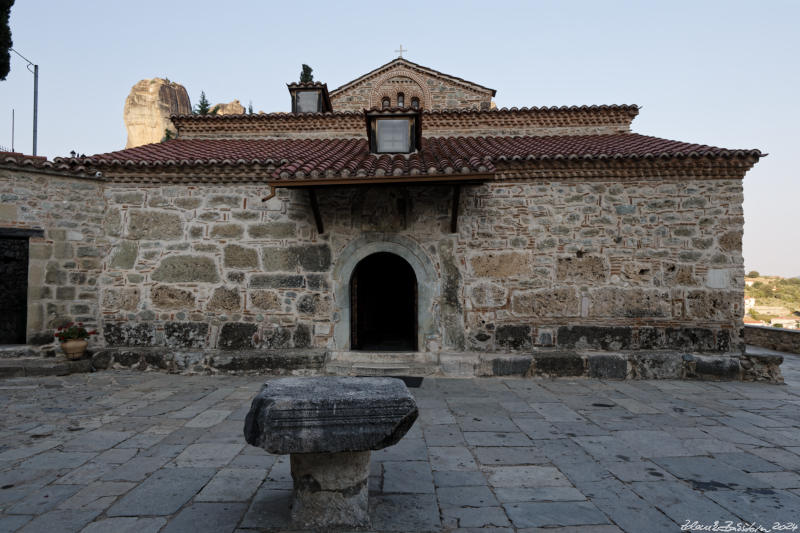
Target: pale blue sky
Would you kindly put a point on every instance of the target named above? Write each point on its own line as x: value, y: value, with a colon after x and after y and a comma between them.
x: 713, y: 72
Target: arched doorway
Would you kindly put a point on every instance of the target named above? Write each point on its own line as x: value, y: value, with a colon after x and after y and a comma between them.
x: 383, y: 304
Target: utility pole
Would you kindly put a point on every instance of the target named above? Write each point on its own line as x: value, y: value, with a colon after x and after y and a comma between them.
x: 35, y: 73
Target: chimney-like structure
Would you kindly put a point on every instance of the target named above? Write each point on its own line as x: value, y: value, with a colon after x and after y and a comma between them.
x: 394, y: 131
x: 310, y: 97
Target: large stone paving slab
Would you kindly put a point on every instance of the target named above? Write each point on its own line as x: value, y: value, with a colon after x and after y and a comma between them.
x: 142, y: 452
x: 207, y: 518
x: 163, y: 493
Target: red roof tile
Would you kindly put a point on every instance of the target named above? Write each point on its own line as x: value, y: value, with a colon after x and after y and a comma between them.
x: 631, y: 109
x: 295, y: 159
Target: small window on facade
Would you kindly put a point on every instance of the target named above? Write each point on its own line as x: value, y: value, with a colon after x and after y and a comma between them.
x: 393, y: 135
x: 401, y: 100
x: 308, y: 102
x: 415, y: 103
x: 386, y: 103
x: 394, y: 131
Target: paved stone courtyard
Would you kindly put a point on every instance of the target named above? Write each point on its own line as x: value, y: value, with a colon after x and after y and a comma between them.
x: 126, y: 451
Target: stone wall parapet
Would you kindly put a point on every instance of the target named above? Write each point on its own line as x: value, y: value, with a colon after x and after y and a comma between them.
x: 780, y: 339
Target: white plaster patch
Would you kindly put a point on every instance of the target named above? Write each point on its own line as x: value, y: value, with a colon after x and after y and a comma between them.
x: 717, y: 279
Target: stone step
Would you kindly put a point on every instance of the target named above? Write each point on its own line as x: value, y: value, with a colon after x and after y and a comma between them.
x: 12, y: 351
x: 383, y: 357
x: 341, y: 368
x: 42, y: 366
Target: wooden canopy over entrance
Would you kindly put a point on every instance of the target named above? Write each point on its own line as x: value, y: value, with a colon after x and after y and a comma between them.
x: 313, y: 185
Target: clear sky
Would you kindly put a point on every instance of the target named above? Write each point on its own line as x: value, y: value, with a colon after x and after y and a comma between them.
x: 724, y: 73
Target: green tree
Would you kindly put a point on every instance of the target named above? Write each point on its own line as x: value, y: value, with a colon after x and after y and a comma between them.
x: 753, y: 274
x: 305, y: 75
x: 168, y: 135
x: 203, y: 107
x: 5, y: 38
x: 250, y: 108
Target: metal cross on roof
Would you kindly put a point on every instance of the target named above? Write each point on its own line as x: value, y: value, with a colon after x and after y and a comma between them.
x: 401, y: 50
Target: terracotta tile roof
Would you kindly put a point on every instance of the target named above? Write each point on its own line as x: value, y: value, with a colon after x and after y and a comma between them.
x: 307, y: 85
x: 20, y: 159
x: 632, y: 109
x: 326, y: 158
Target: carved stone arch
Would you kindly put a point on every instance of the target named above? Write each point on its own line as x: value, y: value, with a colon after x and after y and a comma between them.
x: 418, y: 89
x: 390, y: 92
x: 424, y: 270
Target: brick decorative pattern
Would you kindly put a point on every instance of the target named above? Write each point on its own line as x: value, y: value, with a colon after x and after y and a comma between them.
x: 393, y: 83
x: 438, y: 91
x: 587, y: 120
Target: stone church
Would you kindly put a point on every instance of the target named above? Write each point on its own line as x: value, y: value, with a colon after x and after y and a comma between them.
x: 397, y: 224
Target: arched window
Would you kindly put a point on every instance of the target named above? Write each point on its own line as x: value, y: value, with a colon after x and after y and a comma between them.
x: 415, y: 103
x: 386, y: 103
x: 401, y: 100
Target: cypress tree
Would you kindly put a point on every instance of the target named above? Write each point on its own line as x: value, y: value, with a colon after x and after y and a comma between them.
x: 305, y: 75
x: 5, y: 38
x: 202, y: 107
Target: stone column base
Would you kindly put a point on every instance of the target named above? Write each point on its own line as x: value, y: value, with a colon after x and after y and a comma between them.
x: 330, y: 490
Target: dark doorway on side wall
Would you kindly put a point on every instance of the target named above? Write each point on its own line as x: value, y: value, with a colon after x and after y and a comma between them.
x: 383, y: 304
x: 13, y: 289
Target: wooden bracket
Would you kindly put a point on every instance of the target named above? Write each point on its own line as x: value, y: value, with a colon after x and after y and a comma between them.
x: 312, y: 198
x: 454, y: 210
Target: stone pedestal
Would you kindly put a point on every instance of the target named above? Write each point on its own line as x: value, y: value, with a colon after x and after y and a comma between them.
x: 330, y: 490
x: 328, y: 425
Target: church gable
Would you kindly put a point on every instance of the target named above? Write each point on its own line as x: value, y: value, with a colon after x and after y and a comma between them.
x: 401, y: 83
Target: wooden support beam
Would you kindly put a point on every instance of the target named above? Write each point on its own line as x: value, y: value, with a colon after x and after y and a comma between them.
x: 454, y: 211
x: 312, y: 197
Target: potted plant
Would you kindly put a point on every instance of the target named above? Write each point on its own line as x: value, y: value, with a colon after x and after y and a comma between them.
x: 73, y: 339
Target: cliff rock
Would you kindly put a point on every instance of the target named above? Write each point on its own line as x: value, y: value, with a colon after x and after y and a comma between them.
x: 148, y: 108
x: 232, y: 108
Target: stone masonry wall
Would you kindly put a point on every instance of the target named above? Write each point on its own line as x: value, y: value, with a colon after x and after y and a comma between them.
x: 604, y: 265
x: 214, y: 267
x: 783, y: 340
x: 576, y: 264
x: 64, y: 265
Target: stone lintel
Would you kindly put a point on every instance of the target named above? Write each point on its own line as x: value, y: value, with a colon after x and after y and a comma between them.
x: 21, y: 233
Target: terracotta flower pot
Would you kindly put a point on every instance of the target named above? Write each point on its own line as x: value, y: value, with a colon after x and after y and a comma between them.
x: 74, y: 348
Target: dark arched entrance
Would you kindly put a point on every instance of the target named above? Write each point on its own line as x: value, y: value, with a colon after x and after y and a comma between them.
x: 383, y: 304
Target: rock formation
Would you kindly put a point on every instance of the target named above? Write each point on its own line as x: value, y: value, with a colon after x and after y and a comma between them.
x: 148, y: 108
x: 232, y: 108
